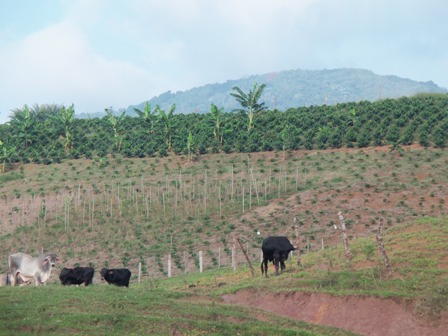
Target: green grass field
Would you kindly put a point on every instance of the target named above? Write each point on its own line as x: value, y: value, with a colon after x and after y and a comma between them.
x: 138, y: 310
x: 191, y: 304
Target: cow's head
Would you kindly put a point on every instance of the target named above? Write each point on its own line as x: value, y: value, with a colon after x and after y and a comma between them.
x: 103, y: 272
x: 51, y: 260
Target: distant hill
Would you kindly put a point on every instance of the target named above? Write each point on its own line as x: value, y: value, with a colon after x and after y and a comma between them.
x: 294, y: 88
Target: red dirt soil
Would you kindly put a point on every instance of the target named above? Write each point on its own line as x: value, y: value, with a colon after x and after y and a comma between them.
x: 364, y: 315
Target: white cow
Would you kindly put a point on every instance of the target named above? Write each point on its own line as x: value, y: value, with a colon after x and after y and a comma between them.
x: 5, y: 280
x: 26, y: 267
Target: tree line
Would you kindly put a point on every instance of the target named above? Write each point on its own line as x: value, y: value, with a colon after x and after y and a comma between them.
x: 50, y: 133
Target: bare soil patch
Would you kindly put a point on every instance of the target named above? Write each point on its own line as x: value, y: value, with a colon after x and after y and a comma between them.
x: 365, y: 315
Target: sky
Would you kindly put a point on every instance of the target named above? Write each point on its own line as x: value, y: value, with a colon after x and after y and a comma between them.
x: 98, y: 54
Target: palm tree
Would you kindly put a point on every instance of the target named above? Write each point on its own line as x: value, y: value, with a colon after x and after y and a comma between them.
x: 166, y: 120
x: 46, y: 111
x: 249, y: 102
x: 22, y: 121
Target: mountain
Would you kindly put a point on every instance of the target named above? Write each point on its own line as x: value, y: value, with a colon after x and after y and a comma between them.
x: 294, y: 88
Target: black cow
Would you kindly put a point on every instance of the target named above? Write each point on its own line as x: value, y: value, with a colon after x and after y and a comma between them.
x: 275, y: 249
x: 116, y: 276
x: 77, y: 276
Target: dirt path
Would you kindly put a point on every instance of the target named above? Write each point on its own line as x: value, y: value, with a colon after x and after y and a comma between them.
x: 360, y: 314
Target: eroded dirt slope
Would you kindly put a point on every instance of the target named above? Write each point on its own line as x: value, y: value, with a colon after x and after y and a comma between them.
x: 365, y: 315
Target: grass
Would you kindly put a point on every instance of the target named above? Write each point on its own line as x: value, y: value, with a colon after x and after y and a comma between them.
x: 118, y: 212
x: 191, y: 304
x: 140, y: 310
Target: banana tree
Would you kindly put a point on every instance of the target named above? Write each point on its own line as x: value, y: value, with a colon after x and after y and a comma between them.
x: 6, y: 155
x: 116, y: 122
x: 67, y: 117
x: 191, y: 146
x: 166, y: 119
x: 147, y: 115
x: 249, y: 102
x: 218, y: 120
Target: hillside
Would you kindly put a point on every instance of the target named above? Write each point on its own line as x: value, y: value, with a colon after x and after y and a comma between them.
x: 118, y: 212
x: 295, y: 88
x: 290, y: 89
x: 122, y: 211
x: 161, y: 195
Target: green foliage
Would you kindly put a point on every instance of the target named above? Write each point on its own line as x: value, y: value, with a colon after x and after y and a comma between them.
x: 369, y: 249
x: 249, y: 101
x: 139, y: 310
x: 58, y: 134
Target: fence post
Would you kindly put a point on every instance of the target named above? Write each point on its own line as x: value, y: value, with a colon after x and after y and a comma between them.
x: 169, y: 265
x: 379, y: 239
x: 154, y: 267
x: 185, y: 263
x: 200, y: 262
x: 139, y: 271
x: 348, y: 253
x: 233, y: 259
x: 247, y: 257
x: 296, y: 229
x: 219, y: 257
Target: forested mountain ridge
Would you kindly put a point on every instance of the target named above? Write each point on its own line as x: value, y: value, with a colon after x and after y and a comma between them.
x: 296, y: 88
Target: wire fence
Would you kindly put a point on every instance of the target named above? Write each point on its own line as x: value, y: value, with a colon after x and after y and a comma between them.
x: 213, y: 259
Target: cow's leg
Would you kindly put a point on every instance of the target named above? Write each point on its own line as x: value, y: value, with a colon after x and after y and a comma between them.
x: 13, y: 278
x: 276, y: 261
x: 283, y: 266
x: 264, y: 267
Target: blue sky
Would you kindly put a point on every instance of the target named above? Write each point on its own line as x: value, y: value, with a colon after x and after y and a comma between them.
x: 101, y: 53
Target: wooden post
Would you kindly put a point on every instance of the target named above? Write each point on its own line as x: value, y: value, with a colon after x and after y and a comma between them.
x: 233, y: 259
x: 247, y: 257
x: 200, y: 262
x: 348, y: 253
x: 169, y: 265
x: 379, y: 239
x: 296, y: 229
x: 219, y: 257
x: 185, y: 263
x: 139, y: 271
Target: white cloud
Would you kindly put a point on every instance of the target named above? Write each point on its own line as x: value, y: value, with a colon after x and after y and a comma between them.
x: 56, y: 65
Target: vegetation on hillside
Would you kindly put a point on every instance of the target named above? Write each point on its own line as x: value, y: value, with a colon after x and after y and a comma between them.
x: 49, y: 134
x: 295, y: 88
x: 119, y: 211
x: 121, y: 191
